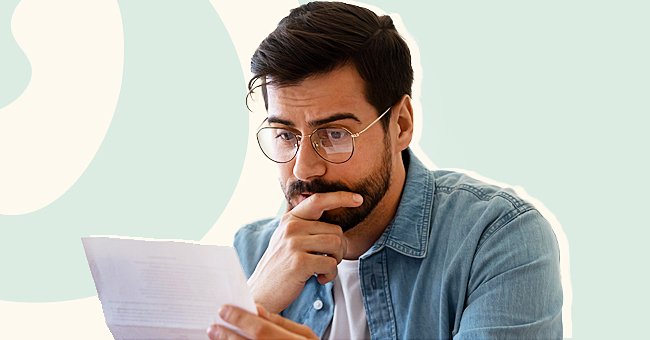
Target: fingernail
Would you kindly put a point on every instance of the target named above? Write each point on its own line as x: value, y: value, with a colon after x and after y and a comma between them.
x: 224, y: 312
x: 215, y: 332
x: 357, y: 198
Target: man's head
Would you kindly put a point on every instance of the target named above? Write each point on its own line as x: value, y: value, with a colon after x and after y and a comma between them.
x: 319, y: 37
x: 336, y: 65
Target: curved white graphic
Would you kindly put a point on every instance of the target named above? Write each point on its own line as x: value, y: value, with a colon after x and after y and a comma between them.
x: 50, y: 134
x: 249, y: 200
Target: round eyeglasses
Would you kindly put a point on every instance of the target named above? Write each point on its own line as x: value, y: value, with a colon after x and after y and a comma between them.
x: 333, y: 144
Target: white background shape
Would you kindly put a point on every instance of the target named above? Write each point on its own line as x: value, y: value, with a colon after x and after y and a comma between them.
x: 50, y: 134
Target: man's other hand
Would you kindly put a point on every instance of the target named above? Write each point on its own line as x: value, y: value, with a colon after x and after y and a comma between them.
x: 265, y: 325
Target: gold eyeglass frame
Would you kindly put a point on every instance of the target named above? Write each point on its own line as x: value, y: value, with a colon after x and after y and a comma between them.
x: 314, y: 145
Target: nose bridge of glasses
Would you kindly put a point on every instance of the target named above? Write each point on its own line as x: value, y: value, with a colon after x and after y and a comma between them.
x: 306, y: 154
x: 314, y: 141
x: 298, y: 140
x: 300, y: 137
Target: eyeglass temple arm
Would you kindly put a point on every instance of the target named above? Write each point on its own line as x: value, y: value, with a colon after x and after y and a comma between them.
x: 264, y: 121
x: 355, y: 135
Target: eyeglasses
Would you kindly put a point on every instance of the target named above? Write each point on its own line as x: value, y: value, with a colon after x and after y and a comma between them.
x: 333, y: 144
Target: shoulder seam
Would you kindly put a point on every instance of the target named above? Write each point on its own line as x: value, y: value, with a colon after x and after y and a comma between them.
x: 482, y: 194
x: 502, y: 222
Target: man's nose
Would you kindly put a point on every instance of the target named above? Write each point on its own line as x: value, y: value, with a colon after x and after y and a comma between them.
x: 307, y: 163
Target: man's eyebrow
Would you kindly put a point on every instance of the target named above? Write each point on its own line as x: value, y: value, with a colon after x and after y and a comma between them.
x: 318, y: 122
x: 333, y: 118
x: 278, y: 120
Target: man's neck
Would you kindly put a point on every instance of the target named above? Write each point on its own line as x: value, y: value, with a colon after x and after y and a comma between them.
x: 365, y: 234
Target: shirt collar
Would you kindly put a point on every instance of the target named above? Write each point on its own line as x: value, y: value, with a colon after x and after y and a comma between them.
x: 408, y: 232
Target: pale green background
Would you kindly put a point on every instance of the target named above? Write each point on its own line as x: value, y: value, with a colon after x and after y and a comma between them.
x: 552, y: 96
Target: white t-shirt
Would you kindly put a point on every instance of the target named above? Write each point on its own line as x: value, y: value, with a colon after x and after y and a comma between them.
x: 349, y: 321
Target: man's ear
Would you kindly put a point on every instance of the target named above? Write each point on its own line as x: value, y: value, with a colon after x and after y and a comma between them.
x: 402, y: 122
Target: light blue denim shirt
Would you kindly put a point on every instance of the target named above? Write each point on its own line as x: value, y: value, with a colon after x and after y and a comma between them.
x: 461, y: 259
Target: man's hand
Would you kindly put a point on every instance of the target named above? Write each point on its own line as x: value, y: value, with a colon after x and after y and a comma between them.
x: 297, y: 248
x: 265, y: 325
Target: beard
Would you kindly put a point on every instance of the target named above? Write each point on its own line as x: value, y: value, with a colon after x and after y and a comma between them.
x: 373, y: 188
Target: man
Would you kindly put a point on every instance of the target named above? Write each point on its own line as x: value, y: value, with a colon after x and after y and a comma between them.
x: 373, y: 244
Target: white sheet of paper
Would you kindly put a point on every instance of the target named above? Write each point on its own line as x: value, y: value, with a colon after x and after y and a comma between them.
x: 156, y: 289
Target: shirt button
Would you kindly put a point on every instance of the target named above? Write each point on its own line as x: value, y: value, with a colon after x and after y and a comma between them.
x: 318, y: 304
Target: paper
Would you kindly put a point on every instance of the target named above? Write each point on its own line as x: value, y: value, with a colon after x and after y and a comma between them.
x: 154, y: 289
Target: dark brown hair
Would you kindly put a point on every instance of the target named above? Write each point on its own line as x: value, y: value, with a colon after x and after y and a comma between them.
x: 318, y: 37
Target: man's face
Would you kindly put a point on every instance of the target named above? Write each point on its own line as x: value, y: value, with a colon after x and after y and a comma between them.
x: 333, y: 99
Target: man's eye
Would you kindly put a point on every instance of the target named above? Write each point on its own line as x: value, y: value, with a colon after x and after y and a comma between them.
x: 336, y: 134
x: 284, y: 135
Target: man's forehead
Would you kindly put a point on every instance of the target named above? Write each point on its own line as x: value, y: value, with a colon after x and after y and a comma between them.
x: 298, y: 96
x: 338, y: 95
x: 317, y: 109
x: 341, y: 83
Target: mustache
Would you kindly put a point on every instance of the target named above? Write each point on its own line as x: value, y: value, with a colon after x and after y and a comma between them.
x: 314, y: 186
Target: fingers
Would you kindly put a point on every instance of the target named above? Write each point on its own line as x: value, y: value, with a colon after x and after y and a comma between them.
x: 325, y: 278
x: 324, y: 266
x: 333, y: 245
x: 219, y: 332
x: 315, y: 237
x: 305, y: 265
x: 286, y: 323
x: 254, y: 326
x: 313, y: 207
x: 297, y: 226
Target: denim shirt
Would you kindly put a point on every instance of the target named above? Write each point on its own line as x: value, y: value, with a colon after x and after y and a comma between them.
x: 461, y: 259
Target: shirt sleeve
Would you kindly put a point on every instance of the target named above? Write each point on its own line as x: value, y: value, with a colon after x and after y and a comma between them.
x: 251, y: 242
x: 514, y: 289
